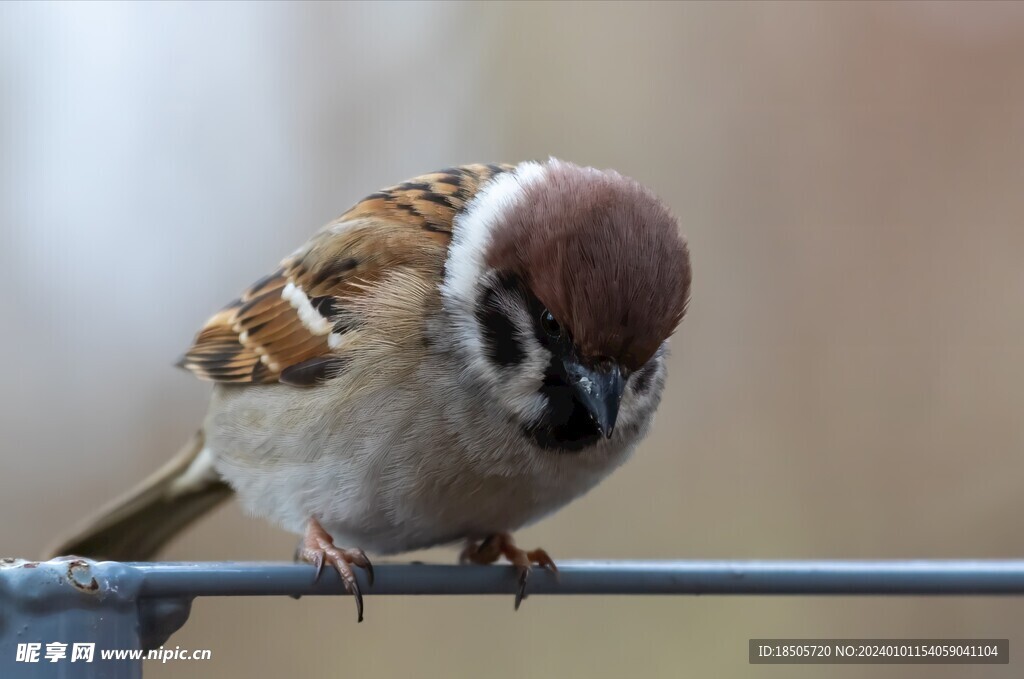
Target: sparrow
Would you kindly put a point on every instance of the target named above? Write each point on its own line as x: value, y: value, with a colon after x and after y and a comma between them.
x: 453, y: 358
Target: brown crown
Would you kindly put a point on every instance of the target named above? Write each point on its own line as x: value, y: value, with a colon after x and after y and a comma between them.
x: 604, y: 255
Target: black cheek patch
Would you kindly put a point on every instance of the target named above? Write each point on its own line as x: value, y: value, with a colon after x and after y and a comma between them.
x: 499, y: 333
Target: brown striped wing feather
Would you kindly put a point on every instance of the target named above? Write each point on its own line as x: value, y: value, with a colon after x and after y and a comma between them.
x: 291, y: 326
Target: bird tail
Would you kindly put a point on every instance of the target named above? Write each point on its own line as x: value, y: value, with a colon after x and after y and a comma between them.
x: 136, y: 526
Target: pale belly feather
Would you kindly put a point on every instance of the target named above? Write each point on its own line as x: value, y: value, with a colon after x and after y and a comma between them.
x: 386, y: 474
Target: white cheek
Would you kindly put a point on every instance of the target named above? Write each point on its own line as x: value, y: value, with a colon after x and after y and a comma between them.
x: 467, y: 276
x: 521, y: 383
x: 639, y: 407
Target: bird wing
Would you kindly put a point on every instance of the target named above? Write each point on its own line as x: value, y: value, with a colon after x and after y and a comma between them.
x: 293, y: 325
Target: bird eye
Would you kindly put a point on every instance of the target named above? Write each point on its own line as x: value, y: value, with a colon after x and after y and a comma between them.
x: 549, y: 325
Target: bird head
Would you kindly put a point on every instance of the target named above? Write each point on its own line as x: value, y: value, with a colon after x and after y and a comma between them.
x: 565, y: 283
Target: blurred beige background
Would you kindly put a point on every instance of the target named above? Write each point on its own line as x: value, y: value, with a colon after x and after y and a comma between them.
x: 848, y: 382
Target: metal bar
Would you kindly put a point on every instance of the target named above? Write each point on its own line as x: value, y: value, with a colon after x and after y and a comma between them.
x: 594, y: 577
x: 113, y: 605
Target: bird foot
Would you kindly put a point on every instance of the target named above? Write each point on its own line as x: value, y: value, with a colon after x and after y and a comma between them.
x: 318, y: 548
x: 502, y: 545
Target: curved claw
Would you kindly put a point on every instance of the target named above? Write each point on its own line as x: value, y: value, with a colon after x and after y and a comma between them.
x: 501, y: 544
x: 340, y: 560
x: 524, y: 574
x: 318, y: 548
x: 318, y: 562
x: 542, y: 559
x: 358, y: 596
x: 359, y: 558
x: 314, y: 557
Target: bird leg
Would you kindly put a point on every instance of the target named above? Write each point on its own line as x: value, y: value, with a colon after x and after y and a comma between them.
x: 502, y: 545
x: 318, y: 548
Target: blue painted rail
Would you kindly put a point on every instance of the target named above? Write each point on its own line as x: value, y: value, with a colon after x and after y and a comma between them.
x: 139, y: 605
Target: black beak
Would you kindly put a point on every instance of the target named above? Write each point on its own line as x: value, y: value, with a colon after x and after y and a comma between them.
x: 599, y: 390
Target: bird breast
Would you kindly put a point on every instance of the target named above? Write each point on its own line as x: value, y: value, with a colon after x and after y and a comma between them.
x: 420, y: 462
